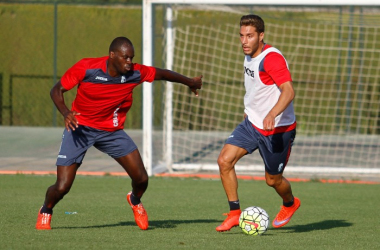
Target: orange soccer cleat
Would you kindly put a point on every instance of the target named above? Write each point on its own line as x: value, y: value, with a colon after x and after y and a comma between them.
x: 231, y: 221
x: 286, y: 213
x: 43, y: 221
x: 141, y: 217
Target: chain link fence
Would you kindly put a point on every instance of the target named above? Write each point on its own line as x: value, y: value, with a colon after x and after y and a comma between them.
x: 40, y: 40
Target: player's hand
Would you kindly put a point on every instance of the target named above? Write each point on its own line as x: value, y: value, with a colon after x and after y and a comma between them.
x: 70, y: 121
x: 197, y: 84
x: 268, y: 123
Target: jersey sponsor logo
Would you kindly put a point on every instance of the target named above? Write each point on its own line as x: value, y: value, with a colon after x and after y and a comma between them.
x: 101, y: 78
x: 115, y: 120
x: 249, y: 72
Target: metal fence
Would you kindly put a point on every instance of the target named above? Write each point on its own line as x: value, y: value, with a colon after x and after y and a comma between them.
x: 40, y: 40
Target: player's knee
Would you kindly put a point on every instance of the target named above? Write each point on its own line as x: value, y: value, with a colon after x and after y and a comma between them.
x: 144, y: 180
x: 224, y: 163
x: 273, y: 181
x: 62, y: 188
x: 141, y: 181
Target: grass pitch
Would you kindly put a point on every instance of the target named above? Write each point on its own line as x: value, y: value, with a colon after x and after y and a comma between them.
x: 183, y: 214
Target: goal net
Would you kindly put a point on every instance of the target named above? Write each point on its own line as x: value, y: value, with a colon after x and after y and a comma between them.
x: 333, y: 54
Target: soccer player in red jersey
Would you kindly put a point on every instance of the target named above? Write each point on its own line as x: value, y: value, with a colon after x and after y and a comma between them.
x: 104, y: 96
x: 269, y: 122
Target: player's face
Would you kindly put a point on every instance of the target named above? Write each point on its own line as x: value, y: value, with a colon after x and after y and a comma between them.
x: 122, y: 59
x: 250, y: 40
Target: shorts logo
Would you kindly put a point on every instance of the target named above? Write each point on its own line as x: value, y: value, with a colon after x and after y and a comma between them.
x: 62, y: 156
x: 280, y: 167
x: 231, y: 136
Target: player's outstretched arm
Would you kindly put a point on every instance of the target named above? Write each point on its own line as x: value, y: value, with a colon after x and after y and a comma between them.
x: 56, y: 94
x: 194, y: 83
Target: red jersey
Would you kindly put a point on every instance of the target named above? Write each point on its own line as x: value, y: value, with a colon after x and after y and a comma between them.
x: 102, y: 100
x: 273, y: 68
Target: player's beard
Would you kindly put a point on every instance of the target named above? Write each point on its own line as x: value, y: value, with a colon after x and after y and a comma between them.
x: 250, y: 51
x: 128, y: 67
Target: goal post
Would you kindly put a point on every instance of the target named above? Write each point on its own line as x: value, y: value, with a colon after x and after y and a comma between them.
x: 334, y: 60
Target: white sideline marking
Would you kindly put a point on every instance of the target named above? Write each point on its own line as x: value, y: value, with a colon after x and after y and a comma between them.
x: 298, y: 169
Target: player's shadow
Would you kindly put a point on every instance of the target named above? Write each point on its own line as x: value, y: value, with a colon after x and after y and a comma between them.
x: 175, y: 223
x: 152, y: 224
x: 322, y: 225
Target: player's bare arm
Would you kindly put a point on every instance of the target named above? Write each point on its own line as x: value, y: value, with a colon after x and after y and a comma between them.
x: 194, y: 83
x: 286, y: 97
x: 56, y: 94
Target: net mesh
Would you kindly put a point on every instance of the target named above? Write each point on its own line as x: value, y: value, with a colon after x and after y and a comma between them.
x: 333, y: 55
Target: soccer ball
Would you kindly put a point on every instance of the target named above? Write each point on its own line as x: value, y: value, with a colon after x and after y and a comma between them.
x: 254, y: 221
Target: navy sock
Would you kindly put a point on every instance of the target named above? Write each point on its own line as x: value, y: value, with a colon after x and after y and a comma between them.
x: 46, y: 210
x: 234, y: 205
x: 288, y: 204
x: 135, y: 200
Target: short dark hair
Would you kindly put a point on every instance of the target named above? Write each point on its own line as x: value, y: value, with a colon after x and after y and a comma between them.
x: 118, y: 42
x: 253, y: 20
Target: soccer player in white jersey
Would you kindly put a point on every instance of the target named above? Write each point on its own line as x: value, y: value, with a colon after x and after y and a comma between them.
x: 269, y: 123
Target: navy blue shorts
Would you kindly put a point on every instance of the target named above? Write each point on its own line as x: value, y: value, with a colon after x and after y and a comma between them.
x: 76, y: 143
x: 274, y: 149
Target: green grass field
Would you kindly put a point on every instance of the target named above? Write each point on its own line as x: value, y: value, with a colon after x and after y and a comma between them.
x: 183, y: 214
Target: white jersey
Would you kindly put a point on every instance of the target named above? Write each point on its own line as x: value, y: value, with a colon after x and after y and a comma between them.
x: 260, y: 98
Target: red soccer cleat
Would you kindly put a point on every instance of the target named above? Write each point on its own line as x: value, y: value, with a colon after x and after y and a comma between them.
x: 43, y: 221
x: 231, y: 221
x: 141, y: 217
x: 286, y: 213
